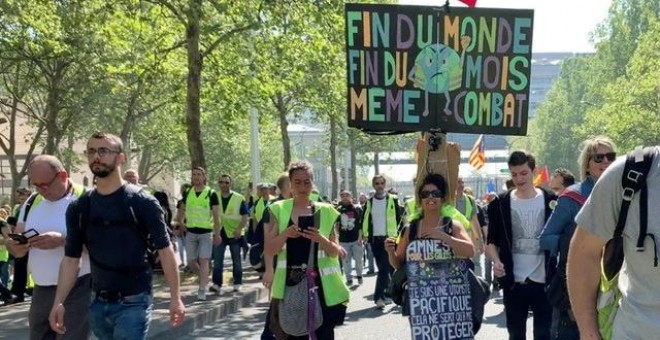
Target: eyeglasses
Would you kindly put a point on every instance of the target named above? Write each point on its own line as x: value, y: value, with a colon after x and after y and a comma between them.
x: 45, y: 186
x: 227, y: 182
x: 102, y: 152
x: 427, y: 194
x: 600, y: 157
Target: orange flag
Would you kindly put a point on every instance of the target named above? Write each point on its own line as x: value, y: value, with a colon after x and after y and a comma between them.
x: 542, y: 177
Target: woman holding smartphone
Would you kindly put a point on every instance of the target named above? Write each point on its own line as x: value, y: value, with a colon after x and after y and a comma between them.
x: 296, y: 227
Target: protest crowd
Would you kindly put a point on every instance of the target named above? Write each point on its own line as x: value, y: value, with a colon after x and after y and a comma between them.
x: 295, y: 238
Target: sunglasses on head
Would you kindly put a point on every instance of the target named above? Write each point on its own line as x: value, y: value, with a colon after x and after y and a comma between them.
x: 600, y: 157
x: 427, y: 194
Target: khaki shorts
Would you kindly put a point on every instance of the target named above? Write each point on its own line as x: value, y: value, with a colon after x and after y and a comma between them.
x: 199, y: 246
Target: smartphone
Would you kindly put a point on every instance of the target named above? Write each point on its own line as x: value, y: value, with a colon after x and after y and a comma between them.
x: 305, y: 221
x: 23, y: 237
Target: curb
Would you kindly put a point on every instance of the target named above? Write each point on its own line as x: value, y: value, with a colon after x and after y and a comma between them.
x: 160, y: 328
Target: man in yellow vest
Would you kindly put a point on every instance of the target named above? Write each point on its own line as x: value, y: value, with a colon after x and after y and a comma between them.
x: 199, y: 219
x: 382, y: 215
x: 468, y: 207
x: 233, y: 216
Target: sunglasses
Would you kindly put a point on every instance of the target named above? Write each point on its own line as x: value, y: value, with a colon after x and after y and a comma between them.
x: 434, y: 193
x: 600, y: 157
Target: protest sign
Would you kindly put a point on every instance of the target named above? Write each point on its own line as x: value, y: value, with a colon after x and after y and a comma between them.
x: 417, y: 68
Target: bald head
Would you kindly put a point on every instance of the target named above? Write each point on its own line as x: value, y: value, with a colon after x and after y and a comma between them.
x: 49, y: 160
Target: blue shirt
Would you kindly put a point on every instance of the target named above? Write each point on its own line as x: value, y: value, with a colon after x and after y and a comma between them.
x: 561, y: 222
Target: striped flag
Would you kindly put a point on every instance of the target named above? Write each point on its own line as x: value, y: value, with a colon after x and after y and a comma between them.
x: 478, y: 154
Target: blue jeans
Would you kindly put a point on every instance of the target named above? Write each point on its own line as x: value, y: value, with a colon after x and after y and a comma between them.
x: 127, y: 318
x: 219, y: 259
x: 4, y: 272
x: 370, y: 258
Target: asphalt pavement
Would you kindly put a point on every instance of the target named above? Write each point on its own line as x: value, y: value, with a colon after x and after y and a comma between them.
x: 363, y: 320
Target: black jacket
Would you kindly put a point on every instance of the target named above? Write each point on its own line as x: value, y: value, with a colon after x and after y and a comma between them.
x: 500, y: 230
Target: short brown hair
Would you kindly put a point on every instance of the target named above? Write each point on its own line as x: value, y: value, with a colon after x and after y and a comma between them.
x: 301, y: 165
x: 114, y: 139
x: 379, y: 176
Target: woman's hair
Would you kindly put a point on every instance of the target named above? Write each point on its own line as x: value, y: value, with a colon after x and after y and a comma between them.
x: 589, y: 148
x: 301, y: 165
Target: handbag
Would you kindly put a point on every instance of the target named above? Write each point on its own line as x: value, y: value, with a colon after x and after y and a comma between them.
x: 301, y: 302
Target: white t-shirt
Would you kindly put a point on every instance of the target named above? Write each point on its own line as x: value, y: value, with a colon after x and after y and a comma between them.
x: 44, y: 217
x: 379, y: 216
x: 527, y: 220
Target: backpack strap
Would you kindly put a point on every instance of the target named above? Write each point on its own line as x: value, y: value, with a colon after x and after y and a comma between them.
x: 28, y: 205
x: 638, y: 164
x: 574, y: 195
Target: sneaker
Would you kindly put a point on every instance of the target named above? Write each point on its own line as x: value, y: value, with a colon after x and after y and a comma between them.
x: 349, y: 282
x: 237, y: 288
x: 371, y: 272
x: 359, y: 280
x: 201, y: 295
x: 380, y: 303
x: 216, y: 289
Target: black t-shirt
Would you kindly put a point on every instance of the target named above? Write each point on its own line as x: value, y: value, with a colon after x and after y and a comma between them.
x: 213, y: 197
x: 349, y: 222
x: 482, y: 216
x: 114, y: 241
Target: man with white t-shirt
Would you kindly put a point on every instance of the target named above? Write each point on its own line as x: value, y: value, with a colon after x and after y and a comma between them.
x: 45, y: 212
x: 516, y: 220
x: 381, y: 218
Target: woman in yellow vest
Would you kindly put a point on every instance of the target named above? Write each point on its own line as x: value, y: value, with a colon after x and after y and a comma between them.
x: 292, y: 245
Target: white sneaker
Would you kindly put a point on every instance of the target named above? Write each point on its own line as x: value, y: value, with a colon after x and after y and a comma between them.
x: 237, y: 288
x: 380, y: 303
x: 201, y: 295
x: 216, y: 289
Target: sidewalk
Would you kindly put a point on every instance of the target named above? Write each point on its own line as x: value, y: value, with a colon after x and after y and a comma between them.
x: 14, y: 318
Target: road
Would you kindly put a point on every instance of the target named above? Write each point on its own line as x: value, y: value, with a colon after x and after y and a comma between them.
x: 363, y: 321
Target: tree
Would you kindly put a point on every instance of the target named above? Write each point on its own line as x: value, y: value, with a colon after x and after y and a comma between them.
x: 207, y: 26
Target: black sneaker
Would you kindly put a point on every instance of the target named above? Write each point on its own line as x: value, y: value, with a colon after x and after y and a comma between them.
x: 349, y: 283
x: 359, y: 280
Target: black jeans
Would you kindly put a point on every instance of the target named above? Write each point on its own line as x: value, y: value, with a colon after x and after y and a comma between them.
x: 567, y: 329
x: 384, y: 268
x: 20, y: 276
x: 518, y: 300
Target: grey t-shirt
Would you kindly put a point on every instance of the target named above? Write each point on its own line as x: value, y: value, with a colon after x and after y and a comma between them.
x: 639, y: 281
x: 527, y: 217
x: 460, y: 206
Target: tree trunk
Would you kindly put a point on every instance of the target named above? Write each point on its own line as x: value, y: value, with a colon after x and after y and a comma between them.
x: 376, y: 165
x: 195, y: 146
x: 353, y: 169
x: 52, y: 111
x: 284, y: 125
x: 333, y: 157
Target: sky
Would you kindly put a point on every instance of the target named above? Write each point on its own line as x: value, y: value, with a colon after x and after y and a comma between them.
x: 559, y: 25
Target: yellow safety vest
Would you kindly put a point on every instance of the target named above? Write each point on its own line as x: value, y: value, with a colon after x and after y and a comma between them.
x: 334, y: 289
x: 391, y: 228
x: 447, y: 210
x: 198, y: 209
x: 259, y: 209
x: 230, y: 216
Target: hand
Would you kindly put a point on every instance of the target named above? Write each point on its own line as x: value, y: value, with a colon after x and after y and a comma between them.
x: 292, y: 231
x: 56, y: 319
x: 390, y: 245
x: 342, y: 252
x: 313, y: 235
x: 48, y: 240
x: 177, y: 312
x: 267, y: 279
x: 16, y: 246
x: 217, y: 240
x: 465, y: 41
x: 498, y: 269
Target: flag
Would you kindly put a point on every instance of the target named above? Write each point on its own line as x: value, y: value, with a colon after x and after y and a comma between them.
x: 470, y: 3
x: 490, y: 186
x: 478, y: 154
x: 542, y: 177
